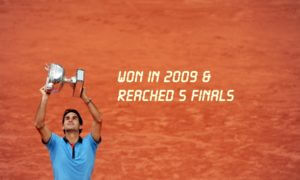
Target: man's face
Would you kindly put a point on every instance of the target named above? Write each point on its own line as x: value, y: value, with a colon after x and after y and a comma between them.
x: 71, y: 122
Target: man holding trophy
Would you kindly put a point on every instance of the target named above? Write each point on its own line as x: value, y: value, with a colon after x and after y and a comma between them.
x: 72, y: 156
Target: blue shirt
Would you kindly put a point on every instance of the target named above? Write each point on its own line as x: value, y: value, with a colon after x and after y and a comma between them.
x: 69, y: 162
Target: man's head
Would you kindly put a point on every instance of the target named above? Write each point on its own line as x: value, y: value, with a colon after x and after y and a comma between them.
x: 72, y: 120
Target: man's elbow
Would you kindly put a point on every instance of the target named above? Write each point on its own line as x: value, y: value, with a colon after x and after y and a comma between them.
x: 39, y: 125
x: 98, y: 118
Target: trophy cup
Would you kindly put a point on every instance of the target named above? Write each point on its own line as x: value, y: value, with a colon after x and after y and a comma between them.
x: 56, y: 79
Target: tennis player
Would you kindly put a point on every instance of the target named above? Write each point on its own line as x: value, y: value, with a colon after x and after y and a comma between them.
x: 72, y: 156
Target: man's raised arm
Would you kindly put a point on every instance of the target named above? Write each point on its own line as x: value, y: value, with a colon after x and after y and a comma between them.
x: 97, y: 116
x: 40, y: 117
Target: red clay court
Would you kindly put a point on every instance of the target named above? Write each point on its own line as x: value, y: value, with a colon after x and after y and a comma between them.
x: 249, y: 46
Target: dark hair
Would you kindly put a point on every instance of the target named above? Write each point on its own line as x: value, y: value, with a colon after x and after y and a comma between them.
x: 77, y: 113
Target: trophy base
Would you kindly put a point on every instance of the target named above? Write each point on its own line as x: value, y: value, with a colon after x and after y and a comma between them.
x: 78, y: 87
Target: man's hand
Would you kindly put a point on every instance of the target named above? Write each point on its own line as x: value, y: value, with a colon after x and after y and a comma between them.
x: 43, y: 92
x: 46, y: 67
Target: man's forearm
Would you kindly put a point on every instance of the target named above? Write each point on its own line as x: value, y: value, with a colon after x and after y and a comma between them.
x: 97, y: 116
x: 41, y: 112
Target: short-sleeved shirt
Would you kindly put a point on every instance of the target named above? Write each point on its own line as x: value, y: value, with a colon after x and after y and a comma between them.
x: 69, y: 162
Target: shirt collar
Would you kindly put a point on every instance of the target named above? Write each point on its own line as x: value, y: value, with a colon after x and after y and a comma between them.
x: 79, y: 139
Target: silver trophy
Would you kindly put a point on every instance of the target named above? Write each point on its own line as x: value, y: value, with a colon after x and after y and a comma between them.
x: 56, y: 79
